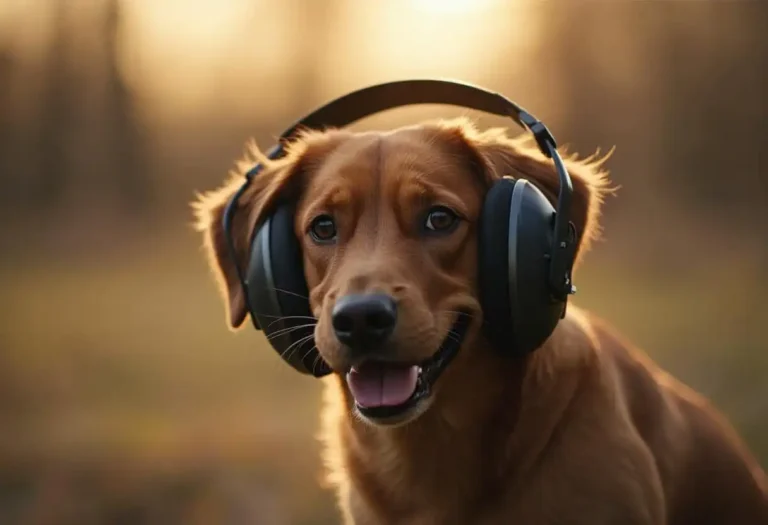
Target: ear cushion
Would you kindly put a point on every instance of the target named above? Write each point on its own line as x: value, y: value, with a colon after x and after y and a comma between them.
x: 278, y: 294
x: 515, y: 238
x: 493, y: 264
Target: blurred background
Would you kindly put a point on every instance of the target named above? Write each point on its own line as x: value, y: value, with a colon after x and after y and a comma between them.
x: 123, y: 397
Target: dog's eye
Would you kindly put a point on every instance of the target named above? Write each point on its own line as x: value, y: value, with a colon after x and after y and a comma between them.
x: 441, y: 220
x: 323, y: 229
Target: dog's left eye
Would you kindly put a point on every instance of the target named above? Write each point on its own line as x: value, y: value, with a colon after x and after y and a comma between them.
x: 323, y: 229
x: 441, y: 220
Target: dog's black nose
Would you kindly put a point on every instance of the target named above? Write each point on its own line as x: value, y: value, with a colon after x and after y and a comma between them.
x: 364, y: 320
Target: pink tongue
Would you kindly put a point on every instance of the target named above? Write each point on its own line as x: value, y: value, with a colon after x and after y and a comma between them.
x: 378, y: 384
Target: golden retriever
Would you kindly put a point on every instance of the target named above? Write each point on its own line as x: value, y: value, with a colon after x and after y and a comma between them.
x: 585, y: 430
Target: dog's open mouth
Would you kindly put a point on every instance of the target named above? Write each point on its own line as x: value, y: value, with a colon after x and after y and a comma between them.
x: 385, y: 390
x: 375, y: 385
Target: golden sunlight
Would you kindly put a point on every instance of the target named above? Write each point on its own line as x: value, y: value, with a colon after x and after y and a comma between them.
x: 25, y: 28
x: 454, y: 6
x: 186, y: 56
x: 478, y: 40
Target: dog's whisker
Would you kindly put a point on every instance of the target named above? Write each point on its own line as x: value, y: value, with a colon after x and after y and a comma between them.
x: 287, y: 317
x: 291, y: 328
x: 288, y: 292
x: 453, y: 333
x: 316, y: 361
x: 288, y: 330
x: 286, y: 354
x: 455, y: 312
x: 279, y: 317
x: 301, y: 343
x: 453, y: 336
x: 271, y: 337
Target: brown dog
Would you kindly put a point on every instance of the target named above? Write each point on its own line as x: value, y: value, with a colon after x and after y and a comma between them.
x: 584, y: 431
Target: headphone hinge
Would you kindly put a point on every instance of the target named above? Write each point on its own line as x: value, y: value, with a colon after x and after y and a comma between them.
x: 561, y: 264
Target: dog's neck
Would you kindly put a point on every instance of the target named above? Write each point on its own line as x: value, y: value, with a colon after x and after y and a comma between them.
x: 491, y: 418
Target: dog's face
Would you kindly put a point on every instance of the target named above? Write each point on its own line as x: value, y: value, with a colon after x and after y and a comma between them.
x: 387, y: 223
x: 387, y: 227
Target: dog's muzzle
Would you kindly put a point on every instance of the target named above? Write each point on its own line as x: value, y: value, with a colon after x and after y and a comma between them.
x: 408, y: 385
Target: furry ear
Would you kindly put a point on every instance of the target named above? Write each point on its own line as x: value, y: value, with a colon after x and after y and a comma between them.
x: 278, y: 179
x: 253, y: 205
x: 500, y: 156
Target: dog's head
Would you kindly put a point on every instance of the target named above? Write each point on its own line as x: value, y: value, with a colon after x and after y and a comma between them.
x: 387, y: 223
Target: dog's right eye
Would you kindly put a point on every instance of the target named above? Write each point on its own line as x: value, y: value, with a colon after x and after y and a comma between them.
x: 441, y: 219
x: 323, y: 229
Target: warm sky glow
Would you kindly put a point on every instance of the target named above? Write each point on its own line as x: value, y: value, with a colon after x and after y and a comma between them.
x: 455, y: 38
x: 192, y: 54
x: 25, y: 27
x: 186, y: 57
x: 454, y: 6
x: 183, y: 55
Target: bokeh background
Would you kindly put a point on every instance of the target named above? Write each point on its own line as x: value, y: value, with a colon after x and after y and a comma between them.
x: 123, y: 397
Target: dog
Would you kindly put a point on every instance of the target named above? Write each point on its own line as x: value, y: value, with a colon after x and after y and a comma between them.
x: 585, y: 430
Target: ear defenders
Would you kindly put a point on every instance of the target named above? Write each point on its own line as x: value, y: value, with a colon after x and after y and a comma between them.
x: 526, y: 247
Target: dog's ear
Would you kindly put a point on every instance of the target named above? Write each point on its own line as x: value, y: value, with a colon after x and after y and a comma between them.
x: 497, y: 156
x: 275, y: 180
x: 278, y: 179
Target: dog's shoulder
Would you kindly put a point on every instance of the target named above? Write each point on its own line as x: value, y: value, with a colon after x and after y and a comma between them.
x: 706, y: 470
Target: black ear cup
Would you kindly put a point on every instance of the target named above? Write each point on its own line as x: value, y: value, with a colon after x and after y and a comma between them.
x: 493, y: 263
x: 515, y: 241
x: 278, y: 295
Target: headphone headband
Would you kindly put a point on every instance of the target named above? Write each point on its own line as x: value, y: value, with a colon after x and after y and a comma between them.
x: 364, y: 102
x: 389, y: 95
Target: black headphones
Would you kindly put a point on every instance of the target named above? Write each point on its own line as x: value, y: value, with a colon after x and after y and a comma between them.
x: 526, y: 248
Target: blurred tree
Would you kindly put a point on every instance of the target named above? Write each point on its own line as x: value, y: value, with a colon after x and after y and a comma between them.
x: 713, y: 62
x: 58, y: 115
x: 671, y: 84
x: 6, y: 123
x: 128, y: 166
x: 317, y: 19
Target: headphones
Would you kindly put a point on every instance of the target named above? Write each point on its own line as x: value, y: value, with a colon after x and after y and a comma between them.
x: 526, y: 248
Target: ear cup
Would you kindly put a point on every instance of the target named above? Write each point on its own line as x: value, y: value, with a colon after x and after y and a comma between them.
x: 515, y: 240
x: 493, y: 264
x: 278, y: 294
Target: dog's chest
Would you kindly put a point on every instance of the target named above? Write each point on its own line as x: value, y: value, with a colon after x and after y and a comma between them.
x: 431, y: 502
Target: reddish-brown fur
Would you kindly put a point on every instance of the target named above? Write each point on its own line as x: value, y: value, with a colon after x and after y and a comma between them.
x: 585, y: 431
